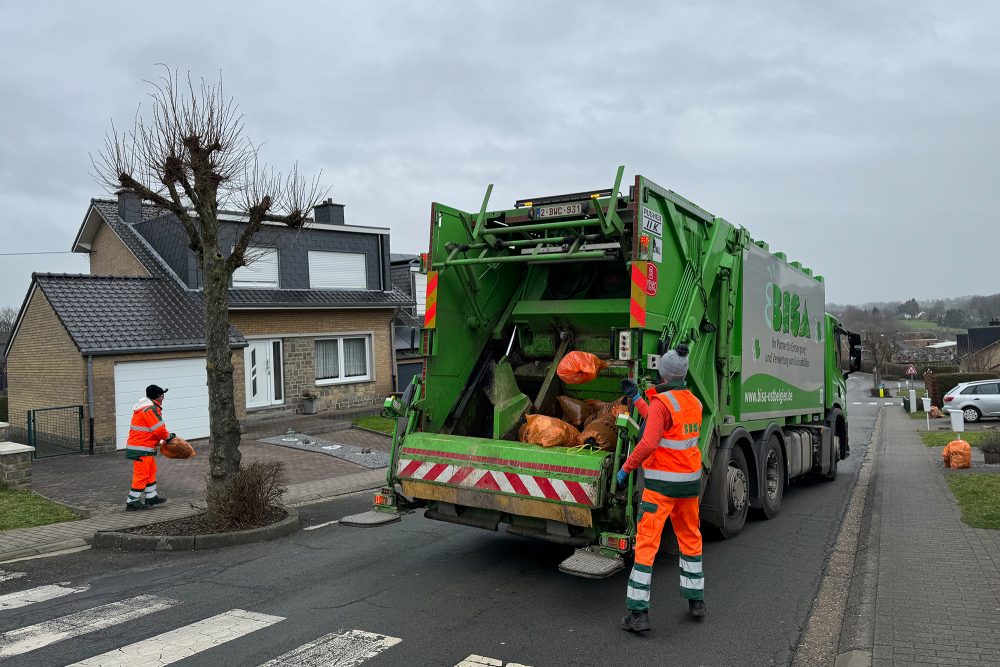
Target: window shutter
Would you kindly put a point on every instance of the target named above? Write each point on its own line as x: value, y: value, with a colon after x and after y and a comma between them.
x: 337, y: 270
x: 261, y: 269
x: 420, y: 291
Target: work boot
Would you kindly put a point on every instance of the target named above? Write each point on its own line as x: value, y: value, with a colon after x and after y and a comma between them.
x: 134, y: 507
x: 155, y: 500
x: 636, y: 621
x: 696, y: 608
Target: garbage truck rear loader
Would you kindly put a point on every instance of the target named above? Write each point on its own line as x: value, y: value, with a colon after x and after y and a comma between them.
x: 624, y: 276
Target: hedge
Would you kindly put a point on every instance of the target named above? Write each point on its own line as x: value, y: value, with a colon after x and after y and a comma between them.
x: 899, y: 370
x: 940, y: 384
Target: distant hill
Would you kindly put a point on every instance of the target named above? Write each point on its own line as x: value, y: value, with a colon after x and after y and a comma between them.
x: 943, y: 316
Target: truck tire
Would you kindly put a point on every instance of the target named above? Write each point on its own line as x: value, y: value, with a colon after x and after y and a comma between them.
x: 832, y: 473
x: 772, y: 479
x: 733, y: 495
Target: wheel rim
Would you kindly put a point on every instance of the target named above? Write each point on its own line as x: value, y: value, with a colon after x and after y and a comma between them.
x: 736, y: 481
x: 772, y: 476
x: 971, y: 415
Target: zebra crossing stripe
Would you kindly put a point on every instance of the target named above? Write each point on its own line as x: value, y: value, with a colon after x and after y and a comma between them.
x: 7, y: 576
x: 184, y: 642
x: 40, y: 635
x: 341, y: 648
x: 33, y: 595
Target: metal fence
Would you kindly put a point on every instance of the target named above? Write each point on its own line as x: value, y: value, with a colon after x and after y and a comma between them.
x: 55, y: 431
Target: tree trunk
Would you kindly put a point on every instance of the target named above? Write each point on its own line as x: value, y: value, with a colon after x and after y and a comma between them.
x: 225, y: 428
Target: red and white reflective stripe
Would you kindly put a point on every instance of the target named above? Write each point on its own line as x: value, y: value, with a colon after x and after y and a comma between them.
x: 494, y: 480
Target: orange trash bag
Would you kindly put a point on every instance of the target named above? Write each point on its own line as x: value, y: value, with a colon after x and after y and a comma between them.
x: 957, y: 454
x: 609, y: 410
x: 177, y: 448
x: 936, y: 412
x: 601, y: 433
x: 579, y: 367
x: 548, y: 432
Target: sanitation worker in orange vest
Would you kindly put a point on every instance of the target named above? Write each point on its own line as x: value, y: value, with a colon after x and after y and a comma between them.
x: 144, y: 436
x: 671, y: 462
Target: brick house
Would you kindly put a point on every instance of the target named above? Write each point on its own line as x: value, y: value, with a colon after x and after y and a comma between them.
x: 312, y: 313
x: 407, y: 279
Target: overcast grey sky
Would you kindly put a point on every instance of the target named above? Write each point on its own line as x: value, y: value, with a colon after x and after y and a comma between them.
x: 850, y: 135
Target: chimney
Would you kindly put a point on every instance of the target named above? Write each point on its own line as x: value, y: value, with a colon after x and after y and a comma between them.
x: 329, y: 213
x: 129, y: 206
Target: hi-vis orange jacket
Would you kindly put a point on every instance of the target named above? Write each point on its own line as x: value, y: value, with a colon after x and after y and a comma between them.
x: 146, y: 431
x: 674, y: 469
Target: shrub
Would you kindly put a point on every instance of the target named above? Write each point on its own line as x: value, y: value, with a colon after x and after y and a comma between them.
x: 990, y: 443
x: 939, y: 385
x: 245, y: 499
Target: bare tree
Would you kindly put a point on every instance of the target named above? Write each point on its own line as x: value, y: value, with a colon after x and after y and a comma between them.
x: 8, y: 315
x: 879, y: 346
x: 192, y: 158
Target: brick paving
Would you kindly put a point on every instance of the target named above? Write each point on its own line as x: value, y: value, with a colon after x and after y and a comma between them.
x: 101, y: 482
x: 938, y: 583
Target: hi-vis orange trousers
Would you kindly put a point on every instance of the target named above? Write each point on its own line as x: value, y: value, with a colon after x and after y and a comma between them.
x: 654, y: 510
x: 143, y: 479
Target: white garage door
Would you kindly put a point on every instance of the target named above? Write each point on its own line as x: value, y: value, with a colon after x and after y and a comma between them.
x: 185, y: 409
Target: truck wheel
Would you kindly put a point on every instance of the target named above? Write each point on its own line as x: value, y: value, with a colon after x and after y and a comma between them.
x: 736, y: 495
x: 773, y: 487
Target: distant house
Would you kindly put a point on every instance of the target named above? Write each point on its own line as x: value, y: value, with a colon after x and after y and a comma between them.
x: 979, y: 348
x: 407, y: 279
x: 312, y: 313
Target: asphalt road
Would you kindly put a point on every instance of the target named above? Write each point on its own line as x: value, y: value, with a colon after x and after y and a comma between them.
x: 446, y: 592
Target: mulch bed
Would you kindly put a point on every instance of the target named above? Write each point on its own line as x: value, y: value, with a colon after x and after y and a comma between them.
x: 198, y: 525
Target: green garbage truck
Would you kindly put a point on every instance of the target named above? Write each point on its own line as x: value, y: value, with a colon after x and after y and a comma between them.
x: 624, y: 276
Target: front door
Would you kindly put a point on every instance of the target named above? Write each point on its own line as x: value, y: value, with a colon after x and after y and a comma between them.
x: 264, y: 381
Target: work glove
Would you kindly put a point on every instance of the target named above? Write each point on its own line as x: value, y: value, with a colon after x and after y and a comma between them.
x: 630, y: 389
x: 621, y: 477
x: 170, y: 437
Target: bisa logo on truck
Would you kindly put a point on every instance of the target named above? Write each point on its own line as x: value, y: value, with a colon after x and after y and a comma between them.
x: 783, y: 307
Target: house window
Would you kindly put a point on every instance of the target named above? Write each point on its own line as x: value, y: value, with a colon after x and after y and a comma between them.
x: 337, y: 270
x: 261, y: 269
x: 419, y: 290
x: 344, y: 359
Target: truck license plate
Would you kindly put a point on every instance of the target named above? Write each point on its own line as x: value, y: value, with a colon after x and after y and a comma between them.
x: 556, y: 210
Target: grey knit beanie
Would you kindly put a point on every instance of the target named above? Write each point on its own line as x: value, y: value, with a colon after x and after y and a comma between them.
x: 674, y: 364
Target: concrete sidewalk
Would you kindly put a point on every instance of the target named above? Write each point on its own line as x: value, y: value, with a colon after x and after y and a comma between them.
x: 25, y: 542
x: 936, y: 580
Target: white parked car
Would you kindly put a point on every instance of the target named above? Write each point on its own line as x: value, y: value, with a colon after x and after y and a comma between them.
x: 975, y: 399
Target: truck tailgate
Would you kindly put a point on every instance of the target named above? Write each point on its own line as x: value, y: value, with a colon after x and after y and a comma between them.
x: 507, y: 471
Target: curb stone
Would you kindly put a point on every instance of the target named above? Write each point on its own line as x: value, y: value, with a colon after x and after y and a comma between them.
x: 110, y: 539
x: 819, y: 643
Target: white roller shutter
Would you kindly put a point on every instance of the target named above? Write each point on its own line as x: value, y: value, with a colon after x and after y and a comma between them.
x: 185, y: 408
x: 337, y: 270
x: 261, y: 269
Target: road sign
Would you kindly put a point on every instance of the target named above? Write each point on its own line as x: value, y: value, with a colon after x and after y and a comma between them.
x: 911, y: 370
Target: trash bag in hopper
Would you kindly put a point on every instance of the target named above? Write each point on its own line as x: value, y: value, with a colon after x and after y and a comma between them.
x: 579, y: 367
x: 957, y: 454
x: 177, y: 448
x: 601, y: 433
x: 609, y: 410
x: 548, y: 432
x: 575, y: 411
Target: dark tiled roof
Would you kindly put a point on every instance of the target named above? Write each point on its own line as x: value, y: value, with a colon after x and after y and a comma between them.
x: 132, y: 240
x: 112, y: 314
x: 404, y: 319
x: 396, y: 258
x: 304, y: 298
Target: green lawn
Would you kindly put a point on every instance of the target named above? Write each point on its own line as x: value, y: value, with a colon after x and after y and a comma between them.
x: 375, y: 423
x: 979, y: 498
x: 921, y: 325
x: 942, y: 438
x: 24, y: 509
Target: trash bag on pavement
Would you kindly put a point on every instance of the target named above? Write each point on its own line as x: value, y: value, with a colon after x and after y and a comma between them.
x: 957, y: 454
x: 579, y: 367
x: 177, y: 448
x: 936, y: 412
x: 548, y: 432
x: 575, y: 411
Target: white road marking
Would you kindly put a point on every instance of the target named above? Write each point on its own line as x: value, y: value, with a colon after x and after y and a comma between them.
x: 38, y: 636
x: 33, y: 595
x: 7, y: 576
x: 322, y: 525
x: 184, y: 642
x: 342, y: 648
x: 480, y: 661
x: 873, y: 404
